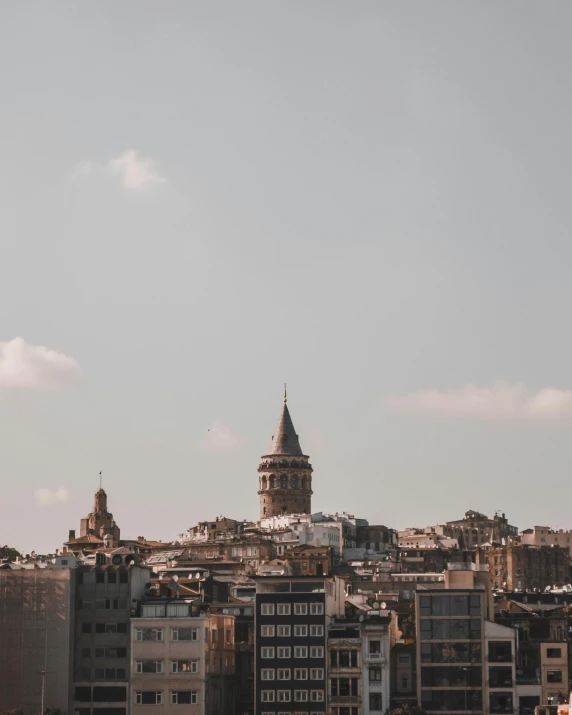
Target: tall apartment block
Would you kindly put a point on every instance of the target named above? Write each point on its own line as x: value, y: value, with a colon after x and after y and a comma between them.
x: 291, y: 625
x: 106, y: 597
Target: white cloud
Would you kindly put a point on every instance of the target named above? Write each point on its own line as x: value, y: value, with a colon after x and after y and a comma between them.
x: 502, y: 401
x: 220, y: 438
x: 47, y: 497
x: 136, y: 173
x: 29, y: 366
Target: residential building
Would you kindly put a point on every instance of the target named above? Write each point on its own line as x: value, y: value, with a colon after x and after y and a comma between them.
x: 476, y: 529
x: 526, y: 568
x: 545, y: 536
x: 345, y: 668
x: 554, y: 672
x: 37, y: 635
x: 181, y: 656
x: 376, y: 644
x: 291, y: 628
x: 106, y: 598
x: 285, y: 473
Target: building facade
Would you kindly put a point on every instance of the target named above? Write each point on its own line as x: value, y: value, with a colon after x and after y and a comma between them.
x: 285, y: 474
x: 291, y: 637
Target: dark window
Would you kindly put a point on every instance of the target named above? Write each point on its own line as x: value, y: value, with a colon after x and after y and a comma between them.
x: 122, y: 627
x: 99, y: 577
x: 86, y: 627
x: 123, y: 577
x: 554, y: 676
x: 184, y: 697
x: 451, y: 677
x: 500, y: 652
x: 82, y: 694
x: 122, y: 652
x: 501, y: 703
x: 100, y: 673
x: 500, y: 677
x: 100, y: 652
x: 375, y: 701
x: 554, y: 653
x: 111, y: 577
x: 85, y: 673
x: 109, y: 694
x: 100, y: 627
x: 108, y: 711
x: 86, y: 652
x: 452, y: 699
x: 149, y: 697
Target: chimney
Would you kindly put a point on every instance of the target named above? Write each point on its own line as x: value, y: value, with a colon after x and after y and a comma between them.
x: 71, y: 534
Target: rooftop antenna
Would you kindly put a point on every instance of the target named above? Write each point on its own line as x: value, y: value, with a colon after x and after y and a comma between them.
x: 100, y: 477
x: 285, y: 396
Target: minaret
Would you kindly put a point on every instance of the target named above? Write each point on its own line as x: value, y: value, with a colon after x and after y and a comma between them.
x: 285, y: 475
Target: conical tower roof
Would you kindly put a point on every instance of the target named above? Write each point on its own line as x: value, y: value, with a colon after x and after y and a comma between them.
x: 285, y: 440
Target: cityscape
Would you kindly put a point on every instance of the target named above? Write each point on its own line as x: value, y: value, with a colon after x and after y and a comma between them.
x: 299, y: 612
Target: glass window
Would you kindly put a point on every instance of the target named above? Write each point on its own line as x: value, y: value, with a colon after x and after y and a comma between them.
x: 554, y: 653
x: 301, y: 630
x: 267, y: 674
x: 300, y: 674
x: 283, y: 673
x: 184, y: 666
x: 283, y: 696
x: 184, y: 634
x: 300, y: 651
x: 267, y: 609
x: 283, y: 631
x: 184, y: 697
x: 283, y: 609
x: 267, y: 631
x: 300, y: 609
x: 148, y: 634
x: 316, y: 609
x: 554, y: 676
x: 317, y: 631
x: 267, y: 652
x: 284, y: 652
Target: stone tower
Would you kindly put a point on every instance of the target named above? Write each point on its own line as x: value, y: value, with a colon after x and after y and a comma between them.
x: 285, y: 475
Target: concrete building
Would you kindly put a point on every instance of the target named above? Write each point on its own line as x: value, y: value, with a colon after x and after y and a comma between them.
x: 545, y: 536
x: 285, y: 474
x: 554, y: 672
x: 526, y: 568
x: 291, y: 630
x: 106, y: 599
x: 181, y: 656
x: 36, y: 637
x: 476, y: 529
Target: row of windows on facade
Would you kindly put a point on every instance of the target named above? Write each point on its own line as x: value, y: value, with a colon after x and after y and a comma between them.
x: 156, y: 697
x: 103, y: 604
x: 108, y: 628
x: 284, y: 609
x: 286, y: 696
x: 274, y: 482
x: 266, y: 712
x: 100, y: 577
x: 180, y: 634
x: 459, y: 629
x: 300, y: 651
x: 286, y: 673
x: 285, y: 631
x: 454, y: 605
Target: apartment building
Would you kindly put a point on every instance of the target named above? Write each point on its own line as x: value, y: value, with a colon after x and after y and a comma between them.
x: 106, y: 597
x: 554, y: 672
x: 291, y: 624
x: 181, y: 656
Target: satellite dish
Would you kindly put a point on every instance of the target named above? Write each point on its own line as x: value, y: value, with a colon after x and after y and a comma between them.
x: 173, y: 585
x: 383, y: 605
x: 197, y: 575
x: 236, y: 612
x: 360, y: 619
x: 376, y: 605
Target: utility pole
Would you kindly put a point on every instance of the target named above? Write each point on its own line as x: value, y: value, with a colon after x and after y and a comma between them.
x: 43, y: 674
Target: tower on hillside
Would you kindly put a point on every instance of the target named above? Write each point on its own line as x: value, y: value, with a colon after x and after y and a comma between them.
x: 285, y: 474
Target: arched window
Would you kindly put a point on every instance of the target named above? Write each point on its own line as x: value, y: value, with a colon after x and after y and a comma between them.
x: 273, y: 481
x: 264, y: 483
x: 303, y: 482
x: 283, y: 462
x: 284, y: 482
x: 294, y: 481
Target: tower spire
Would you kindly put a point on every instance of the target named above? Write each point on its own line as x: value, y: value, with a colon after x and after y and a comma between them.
x: 285, y: 395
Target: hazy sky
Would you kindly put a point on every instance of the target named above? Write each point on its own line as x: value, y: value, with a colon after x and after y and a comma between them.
x: 202, y: 200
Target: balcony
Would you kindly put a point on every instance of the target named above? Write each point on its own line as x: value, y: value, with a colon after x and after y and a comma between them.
x: 375, y: 658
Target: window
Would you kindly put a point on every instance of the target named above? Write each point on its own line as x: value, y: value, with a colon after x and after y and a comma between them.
x: 149, y: 697
x: 184, y: 697
x: 99, y: 577
x: 86, y: 627
x: 375, y: 702
x: 554, y: 653
x: 267, y: 696
x: 228, y: 636
x: 284, y: 651
x: 267, y: 674
x: 301, y: 631
x: 317, y: 696
x: 86, y: 652
x: 317, y: 651
x: 316, y: 609
x: 375, y: 674
x: 300, y: 651
x: 554, y: 676
x: 267, y: 652
x: 283, y: 696
x: 301, y: 696
x: 183, y: 634
x: 317, y: 674
x: 300, y: 673
x: 267, y: 631
x: 316, y: 631
x: 112, y: 577
x: 300, y: 609
x: 184, y: 666
x: 148, y: 634
x: 123, y: 577
x: 283, y: 609
x: 149, y: 666
x: 283, y: 631
x: 404, y: 658
x: 267, y: 609
x: 375, y: 647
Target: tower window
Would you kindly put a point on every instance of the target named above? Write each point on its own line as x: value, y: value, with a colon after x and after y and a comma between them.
x: 273, y: 481
x: 294, y: 481
x: 284, y: 482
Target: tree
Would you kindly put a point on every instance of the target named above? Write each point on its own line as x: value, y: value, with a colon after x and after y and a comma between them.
x: 7, y: 552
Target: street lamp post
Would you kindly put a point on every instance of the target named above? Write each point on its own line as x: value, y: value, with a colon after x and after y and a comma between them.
x: 43, y: 674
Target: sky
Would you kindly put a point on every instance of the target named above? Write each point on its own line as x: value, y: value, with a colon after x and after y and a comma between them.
x: 202, y: 201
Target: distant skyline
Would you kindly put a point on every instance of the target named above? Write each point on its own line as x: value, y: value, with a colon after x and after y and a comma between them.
x: 202, y: 201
